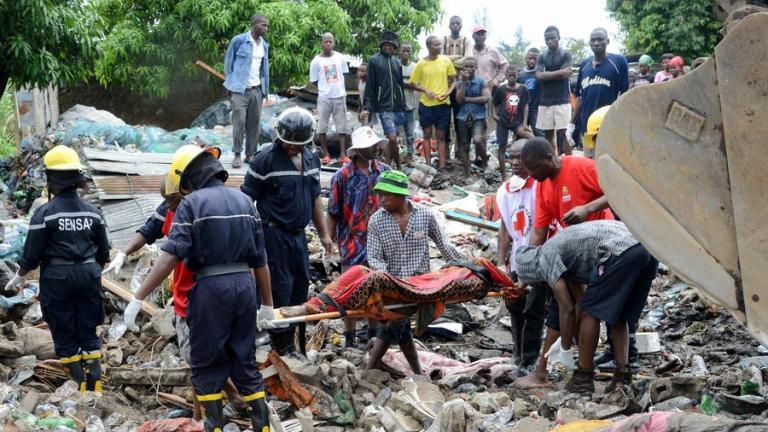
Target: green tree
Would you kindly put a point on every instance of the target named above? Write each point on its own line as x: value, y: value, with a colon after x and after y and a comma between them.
x: 150, y: 43
x: 515, y: 53
x: 578, y: 48
x: 45, y: 42
x: 687, y: 28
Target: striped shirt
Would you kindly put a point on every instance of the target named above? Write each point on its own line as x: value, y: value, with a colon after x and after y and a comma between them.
x: 460, y: 46
x: 491, y: 65
x: 406, y: 255
x: 574, y: 253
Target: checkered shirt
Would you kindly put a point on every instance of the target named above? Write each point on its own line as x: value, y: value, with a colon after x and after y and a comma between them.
x: 408, y: 255
x: 574, y: 253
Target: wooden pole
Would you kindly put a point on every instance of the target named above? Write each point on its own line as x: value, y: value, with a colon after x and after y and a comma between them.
x: 210, y: 70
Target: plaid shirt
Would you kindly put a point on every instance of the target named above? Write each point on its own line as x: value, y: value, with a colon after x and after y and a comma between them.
x: 352, y: 202
x: 491, y: 65
x: 408, y: 255
x: 574, y: 253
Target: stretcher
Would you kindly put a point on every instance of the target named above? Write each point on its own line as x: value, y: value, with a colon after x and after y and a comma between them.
x: 362, y: 292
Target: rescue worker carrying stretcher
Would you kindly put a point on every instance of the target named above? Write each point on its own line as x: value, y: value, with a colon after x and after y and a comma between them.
x: 284, y: 180
x: 67, y: 238
x: 217, y: 232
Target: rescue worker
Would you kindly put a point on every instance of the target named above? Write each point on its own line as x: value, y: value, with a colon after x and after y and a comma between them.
x: 284, y: 180
x: 217, y: 233
x: 67, y: 238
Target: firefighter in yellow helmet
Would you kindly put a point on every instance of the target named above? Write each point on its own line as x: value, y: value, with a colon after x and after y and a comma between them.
x: 67, y: 238
x: 217, y: 232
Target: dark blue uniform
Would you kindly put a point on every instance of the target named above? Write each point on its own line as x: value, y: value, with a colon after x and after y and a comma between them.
x: 285, y: 198
x: 215, y: 227
x: 152, y: 230
x: 67, y: 238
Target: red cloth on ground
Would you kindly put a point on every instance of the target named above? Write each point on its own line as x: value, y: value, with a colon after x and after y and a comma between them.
x: 183, y: 279
x: 575, y: 185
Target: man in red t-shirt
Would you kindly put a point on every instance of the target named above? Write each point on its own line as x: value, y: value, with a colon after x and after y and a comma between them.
x: 568, y: 193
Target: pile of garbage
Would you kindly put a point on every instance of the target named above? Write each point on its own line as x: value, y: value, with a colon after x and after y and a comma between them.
x: 700, y: 369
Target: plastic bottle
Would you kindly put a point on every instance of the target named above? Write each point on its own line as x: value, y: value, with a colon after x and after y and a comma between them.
x: 53, y: 422
x: 231, y: 427
x: 23, y: 416
x: 93, y: 424
x: 708, y: 405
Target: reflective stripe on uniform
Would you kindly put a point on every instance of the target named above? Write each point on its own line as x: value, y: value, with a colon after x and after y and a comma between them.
x: 310, y: 172
x: 36, y: 227
x: 218, y: 217
x: 93, y: 355
x: 74, y: 358
x: 254, y: 396
x: 158, y: 216
x: 210, y: 397
x: 72, y: 214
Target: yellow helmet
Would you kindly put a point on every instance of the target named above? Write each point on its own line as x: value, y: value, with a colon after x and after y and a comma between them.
x: 593, y: 126
x: 62, y: 158
x: 181, y: 160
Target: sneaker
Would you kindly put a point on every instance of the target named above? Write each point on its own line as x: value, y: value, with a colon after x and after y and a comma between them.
x: 605, y: 357
x: 634, y: 366
x: 237, y: 162
x: 325, y: 160
x: 582, y: 382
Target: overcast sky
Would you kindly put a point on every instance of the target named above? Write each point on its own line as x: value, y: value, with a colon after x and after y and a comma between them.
x: 574, y: 19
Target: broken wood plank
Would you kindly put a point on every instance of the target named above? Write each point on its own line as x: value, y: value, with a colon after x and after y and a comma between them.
x: 126, y: 295
x: 175, y: 400
x: 472, y: 220
x: 149, y: 376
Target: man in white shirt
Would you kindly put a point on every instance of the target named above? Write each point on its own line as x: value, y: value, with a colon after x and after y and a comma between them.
x: 246, y: 66
x: 327, y: 72
x: 516, y: 200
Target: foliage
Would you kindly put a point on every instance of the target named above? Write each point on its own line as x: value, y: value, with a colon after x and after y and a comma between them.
x: 578, y: 48
x: 45, y: 42
x: 151, y: 43
x: 7, y: 127
x: 515, y: 53
x: 687, y: 28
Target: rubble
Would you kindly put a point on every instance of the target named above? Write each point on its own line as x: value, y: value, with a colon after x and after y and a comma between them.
x: 695, y: 357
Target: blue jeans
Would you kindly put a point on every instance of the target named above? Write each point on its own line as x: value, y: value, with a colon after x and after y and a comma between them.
x: 390, y: 121
x: 410, y: 127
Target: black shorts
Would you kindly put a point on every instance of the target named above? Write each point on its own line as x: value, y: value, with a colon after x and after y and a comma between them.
x: 618, y: 288
x: 553, y: 312
x: 395, y: 332
x: 502, y: 134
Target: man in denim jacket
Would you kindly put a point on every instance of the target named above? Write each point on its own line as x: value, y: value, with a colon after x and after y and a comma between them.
x: 246, y: 66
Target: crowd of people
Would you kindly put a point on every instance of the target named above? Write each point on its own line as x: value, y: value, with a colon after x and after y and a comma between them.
x: 238, y: 254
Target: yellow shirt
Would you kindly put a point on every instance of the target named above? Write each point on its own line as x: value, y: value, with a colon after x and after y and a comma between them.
x: 433, y: 75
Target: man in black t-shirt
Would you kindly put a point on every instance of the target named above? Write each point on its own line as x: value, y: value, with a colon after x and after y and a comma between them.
x: 552, y: 73
x: 510, y: 111
x: 528, y: 78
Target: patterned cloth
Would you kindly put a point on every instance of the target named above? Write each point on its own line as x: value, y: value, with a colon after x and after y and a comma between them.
x: 574, y: 253
x: 406, y: 255
x: 353, y: 202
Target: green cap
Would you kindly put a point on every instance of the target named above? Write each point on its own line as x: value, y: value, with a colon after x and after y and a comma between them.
x: 646, y: 60
x: 393, y: 181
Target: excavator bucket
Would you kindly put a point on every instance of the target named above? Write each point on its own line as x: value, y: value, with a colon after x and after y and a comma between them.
x: 685, y: 165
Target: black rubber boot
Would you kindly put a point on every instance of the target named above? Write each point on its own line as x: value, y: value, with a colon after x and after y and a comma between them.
x: 92, y: 361
x: 634, y: 354
x: 349, y: 339
x: 76, y: 373
x: 259, y: 415
x: 213, y: 415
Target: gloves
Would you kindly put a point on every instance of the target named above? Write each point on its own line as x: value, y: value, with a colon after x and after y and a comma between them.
x: 116, y: 264
x: 264, y: 318
x: 557, y: 354
x: 15, y: 282
x: 130, y: 314
x: 569, y: 133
